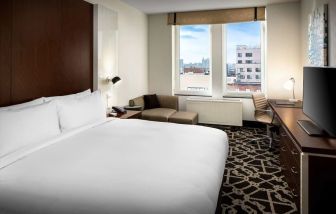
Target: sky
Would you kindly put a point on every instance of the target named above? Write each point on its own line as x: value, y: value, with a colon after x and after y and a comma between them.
x: 194, y: 43
x: 195, y: 40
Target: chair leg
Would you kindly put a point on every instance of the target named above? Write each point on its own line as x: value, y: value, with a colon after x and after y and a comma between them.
x: 270, y: 136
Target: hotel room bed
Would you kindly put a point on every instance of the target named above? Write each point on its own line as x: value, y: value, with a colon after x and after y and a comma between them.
x: 117, y: 166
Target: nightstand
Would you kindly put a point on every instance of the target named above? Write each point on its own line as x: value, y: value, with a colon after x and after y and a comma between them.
x: 129, y: 115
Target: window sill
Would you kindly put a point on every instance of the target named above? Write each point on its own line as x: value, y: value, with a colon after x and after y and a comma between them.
x: 244, y: 96
x: 191, y: 95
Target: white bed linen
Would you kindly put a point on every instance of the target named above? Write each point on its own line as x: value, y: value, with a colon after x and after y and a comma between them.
x: 22, y: 127
x: 74, y: 113
x: 24, y: 105
x: 120, y: 166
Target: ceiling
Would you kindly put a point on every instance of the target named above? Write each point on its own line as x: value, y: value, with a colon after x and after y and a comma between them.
x: 164, y: 6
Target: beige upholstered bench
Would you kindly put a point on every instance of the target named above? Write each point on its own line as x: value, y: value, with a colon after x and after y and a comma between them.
x: 184, y: 117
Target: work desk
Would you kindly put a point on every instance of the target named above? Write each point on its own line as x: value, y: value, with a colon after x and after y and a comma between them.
x: 308, y: 163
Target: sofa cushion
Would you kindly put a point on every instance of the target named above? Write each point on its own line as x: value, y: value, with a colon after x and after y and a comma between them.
x: 158, y: 114
x: 184, y: 117
x: 167, y: 101
x: 151, y: 101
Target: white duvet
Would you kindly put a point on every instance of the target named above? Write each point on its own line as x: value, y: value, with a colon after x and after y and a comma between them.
x: 119, y: 166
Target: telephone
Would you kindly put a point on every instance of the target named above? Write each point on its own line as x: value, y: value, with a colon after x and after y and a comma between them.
x: 119, y: 110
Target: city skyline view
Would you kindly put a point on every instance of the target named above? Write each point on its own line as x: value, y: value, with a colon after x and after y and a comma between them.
x: 242, y: 44
x: 245, y: 33
x: 249, y: 32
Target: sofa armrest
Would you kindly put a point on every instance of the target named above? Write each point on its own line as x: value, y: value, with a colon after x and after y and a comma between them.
x: 167, y: 101
x: 138, y: 101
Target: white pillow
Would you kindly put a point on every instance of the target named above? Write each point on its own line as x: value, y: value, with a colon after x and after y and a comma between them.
x: 19, y: 128
x: 74, y: 113
x: 70, y: 96
x: 24, y: 105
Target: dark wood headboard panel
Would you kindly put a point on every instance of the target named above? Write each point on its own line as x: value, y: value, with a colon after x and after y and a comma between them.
x: 46, y: 48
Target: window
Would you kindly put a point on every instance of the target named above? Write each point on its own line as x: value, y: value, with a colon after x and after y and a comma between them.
x: 241, y: 69
x: 246, y: 38
x: 231, y: 72
x: 193, y: 48
x: 240, y: 54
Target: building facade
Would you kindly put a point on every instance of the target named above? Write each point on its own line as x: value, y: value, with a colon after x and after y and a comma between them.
x: 248, y: 65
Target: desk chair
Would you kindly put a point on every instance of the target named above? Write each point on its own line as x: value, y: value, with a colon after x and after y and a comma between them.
x: 265, y: 115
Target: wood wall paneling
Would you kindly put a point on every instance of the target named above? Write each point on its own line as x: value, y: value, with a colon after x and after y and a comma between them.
x: 36, y: 45
x: 77, y: 46
x: 46, y: 48
x: 5, y: 51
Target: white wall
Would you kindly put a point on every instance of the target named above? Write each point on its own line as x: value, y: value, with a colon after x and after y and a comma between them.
x: 160, y: 55
x: 283, y: 49
x: 283, y: 61
x: 132, y: 52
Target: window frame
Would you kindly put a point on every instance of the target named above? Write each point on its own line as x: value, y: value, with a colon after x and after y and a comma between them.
x: 262, y: 72
x: 176, y: 85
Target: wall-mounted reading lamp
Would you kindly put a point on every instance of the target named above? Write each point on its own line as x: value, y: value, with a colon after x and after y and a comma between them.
x: 114, y: 80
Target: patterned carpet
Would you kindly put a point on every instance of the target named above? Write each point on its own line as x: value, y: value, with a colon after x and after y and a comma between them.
x: 253, y: 182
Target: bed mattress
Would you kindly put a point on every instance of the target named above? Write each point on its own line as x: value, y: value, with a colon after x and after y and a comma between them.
x: 117, y: 166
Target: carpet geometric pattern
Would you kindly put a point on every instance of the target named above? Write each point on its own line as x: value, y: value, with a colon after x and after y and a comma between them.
x: 253, y: 182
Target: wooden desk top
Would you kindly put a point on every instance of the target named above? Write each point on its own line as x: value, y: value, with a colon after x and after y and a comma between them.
x: 289, y: 117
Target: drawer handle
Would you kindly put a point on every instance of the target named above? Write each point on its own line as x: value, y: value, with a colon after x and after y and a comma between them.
x: 294, y: 194
x: 283, y: 135
x: 294, y: 152
x: 283, y: 149
x: 293, y: 170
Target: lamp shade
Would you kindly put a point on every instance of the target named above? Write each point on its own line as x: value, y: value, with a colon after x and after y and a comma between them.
x: 289, y: 84
x: 115, y: 79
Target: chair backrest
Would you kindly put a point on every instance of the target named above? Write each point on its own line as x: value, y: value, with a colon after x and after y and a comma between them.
x: 259, y: 101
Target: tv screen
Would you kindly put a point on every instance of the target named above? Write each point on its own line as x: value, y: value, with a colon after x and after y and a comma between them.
x: 319, y: 97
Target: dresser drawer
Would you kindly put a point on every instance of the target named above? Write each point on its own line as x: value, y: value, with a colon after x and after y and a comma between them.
x: 290, y: 164
x: 288, y: 144
x: 292, y: 149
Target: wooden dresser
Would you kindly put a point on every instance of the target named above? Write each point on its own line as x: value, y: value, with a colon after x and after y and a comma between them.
x: 308, y: 163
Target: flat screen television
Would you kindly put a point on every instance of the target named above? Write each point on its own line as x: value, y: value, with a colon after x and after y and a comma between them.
x: 319, y: 100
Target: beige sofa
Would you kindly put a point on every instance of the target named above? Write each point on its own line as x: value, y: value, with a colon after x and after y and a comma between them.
x: 169, y: 105
x: 168, y: 112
